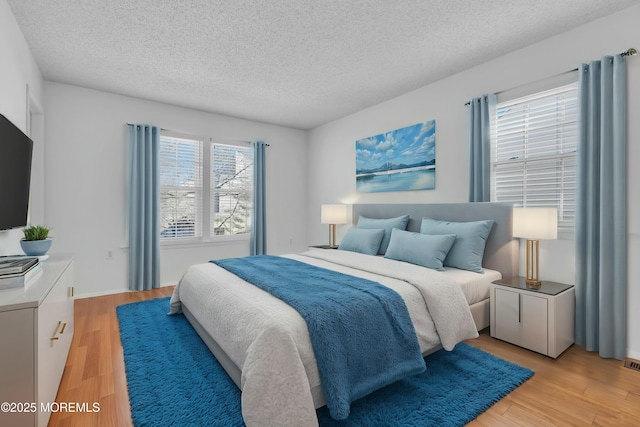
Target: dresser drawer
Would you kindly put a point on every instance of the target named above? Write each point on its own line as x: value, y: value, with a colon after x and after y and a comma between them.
x: 55, y: 332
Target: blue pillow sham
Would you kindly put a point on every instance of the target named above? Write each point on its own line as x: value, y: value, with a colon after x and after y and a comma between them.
x: 386, y: 224
x: 468, y: 249
x: 421, y: 249
x: 365, y: 241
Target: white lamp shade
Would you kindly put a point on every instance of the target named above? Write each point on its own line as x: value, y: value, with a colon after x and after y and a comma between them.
x: 333, y: 214
x: 535, y: 223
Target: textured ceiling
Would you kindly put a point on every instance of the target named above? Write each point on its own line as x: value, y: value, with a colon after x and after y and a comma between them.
x: 297, y: 63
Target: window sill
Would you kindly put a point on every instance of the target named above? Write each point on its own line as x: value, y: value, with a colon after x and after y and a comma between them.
x: 197, y: 242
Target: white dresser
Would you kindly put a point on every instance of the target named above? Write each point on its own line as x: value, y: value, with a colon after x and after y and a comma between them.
x: 36, y: 328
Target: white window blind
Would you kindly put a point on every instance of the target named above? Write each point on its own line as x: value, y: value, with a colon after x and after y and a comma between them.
x: 231, y: 189
x: 206, y: 188
x: 180, y: 187
x: 533, y: 159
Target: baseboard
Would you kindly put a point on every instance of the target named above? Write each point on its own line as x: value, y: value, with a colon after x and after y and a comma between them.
x: 98, y: 294
x: 112, y: 291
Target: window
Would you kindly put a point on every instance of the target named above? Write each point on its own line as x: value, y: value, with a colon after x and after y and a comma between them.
x: 533, y: 159
x: 206, y: 188
x: 231, y: 189
x: 180, y: 187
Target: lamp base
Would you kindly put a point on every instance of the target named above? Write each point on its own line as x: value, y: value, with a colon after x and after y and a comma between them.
x: 332, y: 235
x: 533, y: 284
x: 532, y: 265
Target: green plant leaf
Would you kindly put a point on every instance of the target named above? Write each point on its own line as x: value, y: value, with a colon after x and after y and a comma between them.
x: 36, y: 232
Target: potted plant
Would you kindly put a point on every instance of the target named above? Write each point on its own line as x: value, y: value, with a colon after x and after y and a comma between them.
x: 36, y: 240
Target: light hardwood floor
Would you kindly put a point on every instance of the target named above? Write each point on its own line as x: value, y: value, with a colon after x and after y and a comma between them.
x: 579, y: 388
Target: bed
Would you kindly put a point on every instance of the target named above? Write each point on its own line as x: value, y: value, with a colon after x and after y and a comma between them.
x: 264, y: 345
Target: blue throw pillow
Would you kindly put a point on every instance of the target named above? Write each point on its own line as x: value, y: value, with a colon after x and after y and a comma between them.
x: 365, y: 241
x: 386, y: 224
x: 421, y: 249
x: 468, y: 249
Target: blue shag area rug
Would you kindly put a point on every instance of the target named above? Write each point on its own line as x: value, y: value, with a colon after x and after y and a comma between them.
x: 173, y: 379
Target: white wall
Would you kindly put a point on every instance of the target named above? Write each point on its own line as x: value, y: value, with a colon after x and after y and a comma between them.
x: 332, y: 146
x: 87, y: 141
x: 18, y: 70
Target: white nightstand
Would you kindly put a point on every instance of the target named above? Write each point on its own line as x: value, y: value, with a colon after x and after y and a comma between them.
x: 540, y: 319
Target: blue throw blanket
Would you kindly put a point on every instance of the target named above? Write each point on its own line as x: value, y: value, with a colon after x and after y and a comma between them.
x: 360, y: 330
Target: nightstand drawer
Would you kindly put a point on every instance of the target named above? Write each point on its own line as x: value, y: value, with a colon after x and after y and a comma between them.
x: 521, y: 320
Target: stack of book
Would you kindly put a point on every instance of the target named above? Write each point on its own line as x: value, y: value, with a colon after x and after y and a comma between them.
x: 17, y: 271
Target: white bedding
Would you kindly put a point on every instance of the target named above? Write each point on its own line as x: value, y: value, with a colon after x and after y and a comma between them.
x: 475, y: 286
x: 269, y: 340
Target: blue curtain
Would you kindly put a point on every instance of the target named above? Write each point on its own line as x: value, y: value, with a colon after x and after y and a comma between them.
x: 144, y: 198
x: 601, y: 212
x: 259, y: 226
x: 480, y: 111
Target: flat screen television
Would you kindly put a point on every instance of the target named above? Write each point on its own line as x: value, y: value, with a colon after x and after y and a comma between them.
x: 16, y: 150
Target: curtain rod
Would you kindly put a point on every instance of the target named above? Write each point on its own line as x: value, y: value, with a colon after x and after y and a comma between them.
x: 629, y: 52
x: 134, y: 124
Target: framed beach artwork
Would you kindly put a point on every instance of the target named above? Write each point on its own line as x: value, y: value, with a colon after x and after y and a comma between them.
x: 399, y: 160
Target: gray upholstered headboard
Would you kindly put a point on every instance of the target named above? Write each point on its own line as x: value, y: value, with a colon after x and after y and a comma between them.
x: 501, y: 252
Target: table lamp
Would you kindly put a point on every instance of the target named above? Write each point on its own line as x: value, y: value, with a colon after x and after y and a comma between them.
x: 534, y: 224
x: 332, y: 215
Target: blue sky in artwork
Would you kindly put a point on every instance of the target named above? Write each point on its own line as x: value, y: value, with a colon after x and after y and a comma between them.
x: 408, y: 145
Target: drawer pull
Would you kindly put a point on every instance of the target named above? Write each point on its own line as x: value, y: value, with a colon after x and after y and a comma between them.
x: 54, y: 337
x: 64, y: 325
